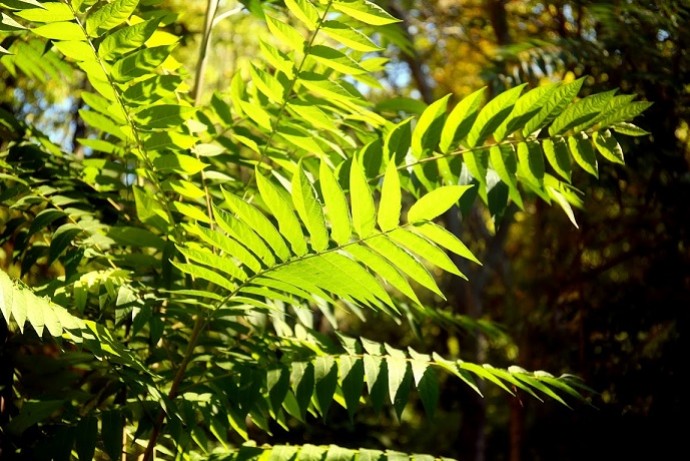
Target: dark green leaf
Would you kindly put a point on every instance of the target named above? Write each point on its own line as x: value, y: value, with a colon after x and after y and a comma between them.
x: 111, y: 433
x: 87, y: 437
x: 62, y: 238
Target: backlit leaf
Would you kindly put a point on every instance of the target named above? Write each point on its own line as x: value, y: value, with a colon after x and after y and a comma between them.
x: 109, y: 16
x: 336, y: 205
x: 460, y: 120
x: 363, y: 208
x: 309, y: 210
x: 365, y: 11
x: 435, y: 203
x: 427, y: 131
x: 61, y: 31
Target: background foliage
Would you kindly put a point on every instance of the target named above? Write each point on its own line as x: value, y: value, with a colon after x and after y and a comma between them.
x: 203, y: 225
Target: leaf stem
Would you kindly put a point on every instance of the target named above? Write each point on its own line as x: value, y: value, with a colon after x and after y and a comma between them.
x: 199, y: 323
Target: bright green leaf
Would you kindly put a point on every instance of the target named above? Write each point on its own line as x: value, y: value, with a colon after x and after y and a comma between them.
x: 363, y: 208
x: 365, y: 11
x: 109, y: 16
x: 435, y: 203
x: 460, y: 120
x: 427, y: 131
x: 61, y: 31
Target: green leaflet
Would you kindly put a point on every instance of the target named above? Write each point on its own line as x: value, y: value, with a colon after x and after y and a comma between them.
x: 561, y: 200
x: 365, y: 11
x: 351, y: 374
x: 300, y: 138
x: 404, y: 261
x: 491, y: 116
x: 267, y: 84
x: 453, y: 368
x: 43, y: 219
x: 624, y: 114
x: 97, y: 77
x: 376, y: 376
x: 383, y: 269
x: 103, y: 123
x: 242, y: 232
x: 558, y: 101
x: 399, y: 380
x: 435, y: 203
x: 581, y: 113
x: 102, y: 105
x: 607, y: 145
x: 336, y: 205
x: 397, y: 141
x: 525, y: 108
x: 557, y: 154
x: 205, y: 257
x: 61, y: 31
x: 20, y: 305
x: 309, y: 210
x: 276, y: 58
x: 615, y: 103
x: 135, y: 236
x: 484, y: 373
x: 314, y: 116
x: 259, y: 223
x: 629, y: 129
x: 283, y: 211
x: 391, y: 199
x: 257, y: 114
x: 149, y: 209
x: 267, y: 288
x: 163, y: 115
x: 62, y: 238
x: 189, y: 211
x: 109, y: 16
x: 79, y: 51
x: 186, y: 189
x: 180, y: 163
x: 285, y: 33
x: 139, y: 63
x: 349, y: 36
x: 328, y: 89
x: 127, y: 39
x: 335, y: 59
x: 425, y: 380
x: 427, y: 131
x: 154, y: 87
x: 302, y: 384
x: 205, y: 274
x: 504, y: 162
x: 337, y: 274
x: 477, y: 163
x: 531, y: 163
x: 583, y: 153
x: 277, y: 383
x: 326, y: 378
x: 304, y: 11
x: 362, y: 202
x: 425, y: 249
x: 460, y: 120
x: 49, y: 12
x: 446, y: 239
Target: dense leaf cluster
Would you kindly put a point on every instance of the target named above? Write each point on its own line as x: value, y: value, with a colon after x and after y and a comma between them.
x: 192, y: 243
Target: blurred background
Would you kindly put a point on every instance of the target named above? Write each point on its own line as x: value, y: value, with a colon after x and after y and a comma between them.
x: 607, y: 301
